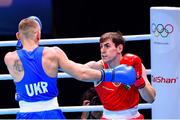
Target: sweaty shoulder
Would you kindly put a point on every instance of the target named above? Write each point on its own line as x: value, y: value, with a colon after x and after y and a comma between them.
x: 54, y: 54
x: 52, y: 49
x: 50, y: 54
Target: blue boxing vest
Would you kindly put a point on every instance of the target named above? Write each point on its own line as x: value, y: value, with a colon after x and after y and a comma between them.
x: 35, y: 85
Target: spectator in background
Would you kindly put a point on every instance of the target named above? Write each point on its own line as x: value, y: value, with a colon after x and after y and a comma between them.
x: 90, y: 97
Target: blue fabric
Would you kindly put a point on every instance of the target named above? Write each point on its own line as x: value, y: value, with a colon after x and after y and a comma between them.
x: 19, y: 45
x: 35, y: 85
x: 51, y: 114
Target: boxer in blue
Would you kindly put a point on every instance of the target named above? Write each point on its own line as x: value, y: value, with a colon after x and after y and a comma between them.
x: 34, y: 70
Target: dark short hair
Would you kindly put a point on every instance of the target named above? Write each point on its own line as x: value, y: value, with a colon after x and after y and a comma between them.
x: 116, y: 38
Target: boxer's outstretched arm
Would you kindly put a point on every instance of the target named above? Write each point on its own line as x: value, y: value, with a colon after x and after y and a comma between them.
x: 81, y: 72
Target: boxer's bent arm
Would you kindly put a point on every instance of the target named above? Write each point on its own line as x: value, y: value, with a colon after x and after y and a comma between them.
x: 148, y: 93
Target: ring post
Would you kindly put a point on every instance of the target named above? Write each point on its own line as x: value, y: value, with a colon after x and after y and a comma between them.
x: 165, y: 61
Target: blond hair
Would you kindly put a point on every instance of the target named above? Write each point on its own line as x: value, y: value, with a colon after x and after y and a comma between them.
x: 28, y: 27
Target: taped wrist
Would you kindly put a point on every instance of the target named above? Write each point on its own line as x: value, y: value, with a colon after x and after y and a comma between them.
x: 140, y: 83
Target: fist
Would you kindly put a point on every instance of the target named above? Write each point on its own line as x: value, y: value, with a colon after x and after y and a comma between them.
x: 135, y: 61
x: 122, y: 73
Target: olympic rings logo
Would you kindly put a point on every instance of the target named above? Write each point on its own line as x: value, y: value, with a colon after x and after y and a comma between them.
x: 161, y: 30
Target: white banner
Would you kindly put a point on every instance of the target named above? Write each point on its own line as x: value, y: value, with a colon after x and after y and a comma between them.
x: 165, y: 61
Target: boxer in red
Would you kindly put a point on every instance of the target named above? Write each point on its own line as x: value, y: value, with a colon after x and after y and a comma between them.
x: 120, y: 100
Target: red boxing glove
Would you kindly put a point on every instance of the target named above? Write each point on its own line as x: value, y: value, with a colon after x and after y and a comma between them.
x: 135, y: 61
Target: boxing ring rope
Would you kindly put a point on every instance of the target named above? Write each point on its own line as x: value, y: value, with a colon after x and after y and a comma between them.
x: 65, y: 75
x: 73, y: 109
x: 60, y: 75
x: 76, y: 40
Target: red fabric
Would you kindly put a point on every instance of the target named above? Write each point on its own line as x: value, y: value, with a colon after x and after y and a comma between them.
x: 116, y: 96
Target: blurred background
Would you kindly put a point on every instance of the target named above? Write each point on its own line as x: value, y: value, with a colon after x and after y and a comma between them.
x: 74, y: 19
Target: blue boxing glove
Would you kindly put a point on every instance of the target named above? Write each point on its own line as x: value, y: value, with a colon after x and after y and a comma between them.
x: 122, y: 73
x: 19, y: 45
